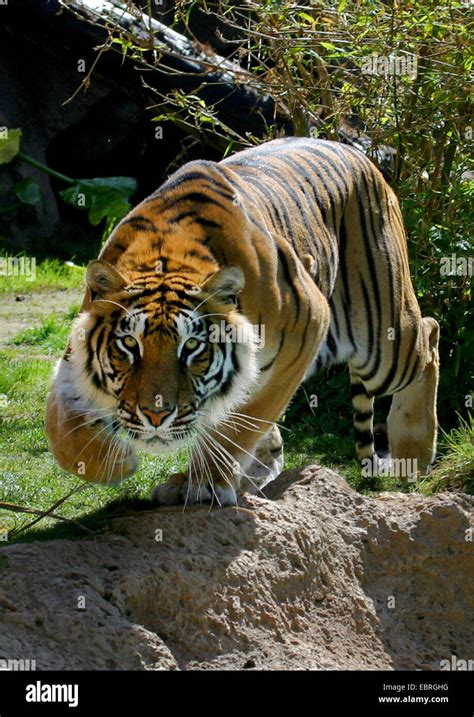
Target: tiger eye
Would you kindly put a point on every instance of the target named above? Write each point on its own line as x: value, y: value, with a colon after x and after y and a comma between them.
x: 129, y: 341
x: 192, y: 344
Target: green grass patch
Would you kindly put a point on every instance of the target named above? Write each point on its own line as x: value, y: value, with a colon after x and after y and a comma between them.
x: 44, y: 275
x: 455, y: 469
x: 51, y: 334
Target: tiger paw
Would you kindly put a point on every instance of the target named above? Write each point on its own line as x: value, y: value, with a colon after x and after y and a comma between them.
x: 178, y: 489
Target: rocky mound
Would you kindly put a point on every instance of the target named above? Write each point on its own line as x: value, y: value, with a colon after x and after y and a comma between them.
x: 313, y: 576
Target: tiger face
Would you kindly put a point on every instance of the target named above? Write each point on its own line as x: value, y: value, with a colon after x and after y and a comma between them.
x: 151, y: 356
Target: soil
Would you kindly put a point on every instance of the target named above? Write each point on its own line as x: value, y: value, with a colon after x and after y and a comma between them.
x: 21, y: 311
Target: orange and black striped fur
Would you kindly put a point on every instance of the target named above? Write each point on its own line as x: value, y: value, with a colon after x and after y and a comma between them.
x: 297, y: 241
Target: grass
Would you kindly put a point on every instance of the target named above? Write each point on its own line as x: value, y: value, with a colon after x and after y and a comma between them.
x: 51, y: 334
x: 29, y: 475
x: 47, y: 275
x: 455, y: 470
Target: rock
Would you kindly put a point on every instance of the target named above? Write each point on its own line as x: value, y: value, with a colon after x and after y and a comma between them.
x: 311, y: 576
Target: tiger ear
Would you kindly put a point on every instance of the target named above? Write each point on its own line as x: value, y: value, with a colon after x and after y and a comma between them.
x: 102, y: 278
x: 226, y: 284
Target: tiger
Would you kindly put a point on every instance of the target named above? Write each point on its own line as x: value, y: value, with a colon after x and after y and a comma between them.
x: 213, y: 300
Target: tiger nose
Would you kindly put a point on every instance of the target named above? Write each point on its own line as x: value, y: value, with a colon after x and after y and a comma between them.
x: 156, y: 418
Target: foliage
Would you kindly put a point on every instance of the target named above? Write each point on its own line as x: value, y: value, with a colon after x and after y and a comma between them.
x: 105, y: 198
x: 9, y: 145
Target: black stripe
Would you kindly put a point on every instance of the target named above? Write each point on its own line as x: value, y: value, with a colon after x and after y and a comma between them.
x: 271, y: 202
x: 207, y: 223
x: 303, y: 337
x: 140, y: 223
x: 334, y: 167
x: 414, y: 372
x: 403, y: 381
x: 370, y: 328
x: 346, y: 303
x: 331, y: 344
x: 179, y: 217
x: 286, y: 275
x: 281, y: 179
x: 176, y: 180
x: 199, y: 198
x: 100, y: 341
x: 199, y: 255
x: 358, y: 389
x: 362, y: 416
x: 251, y: 199
x: 363, y: 438
x: 269, y: 365
x: 302, y: 173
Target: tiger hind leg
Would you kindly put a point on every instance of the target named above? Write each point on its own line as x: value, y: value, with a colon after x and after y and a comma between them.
x: 363, y: 404
x: 412, y: 422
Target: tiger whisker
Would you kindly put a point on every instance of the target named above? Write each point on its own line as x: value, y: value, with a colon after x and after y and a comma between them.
x: 240, y: 419
x: 205, y: 466
x: 116, y: 447
x: 237, y: 445
x: 218, y: 468
x: 87, y: 410
x: 206, y: 471
x: 241, y: 427
x: 86, y: 423
x: 105, y: 459
x: 214, y: 313
x: 261, y: 420
x: 90, y: 441
x: 230, y: 462
x: 204, y: 301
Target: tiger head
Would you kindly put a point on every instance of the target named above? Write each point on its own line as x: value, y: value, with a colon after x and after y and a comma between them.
x: 163, y: 355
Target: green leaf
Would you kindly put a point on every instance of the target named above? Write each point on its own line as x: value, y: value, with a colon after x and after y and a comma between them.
x: 341, y: 6
x: 104, y: 197
x: 9, y: 145
x: 124, y: 185
x: 28, y: 192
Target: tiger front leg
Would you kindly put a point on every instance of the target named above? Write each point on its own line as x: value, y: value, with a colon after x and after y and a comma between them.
x: 80, y: 435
